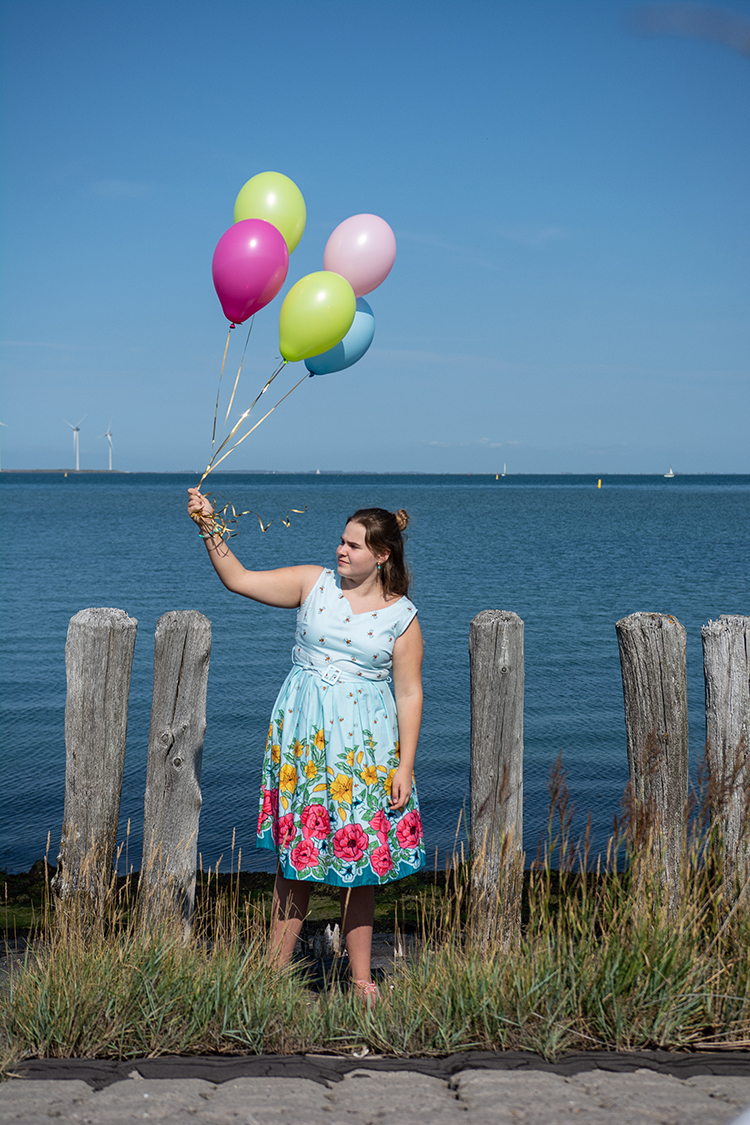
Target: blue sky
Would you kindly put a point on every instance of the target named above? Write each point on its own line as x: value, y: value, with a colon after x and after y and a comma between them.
x: 569, y: 187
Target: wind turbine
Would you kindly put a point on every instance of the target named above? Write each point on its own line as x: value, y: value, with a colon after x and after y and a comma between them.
x: 75, y: 430
x: 108, y: 436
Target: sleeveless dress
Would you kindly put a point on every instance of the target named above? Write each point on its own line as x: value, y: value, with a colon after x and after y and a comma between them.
x: 332, y: 749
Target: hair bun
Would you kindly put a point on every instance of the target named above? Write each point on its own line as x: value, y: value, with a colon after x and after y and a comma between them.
x: 402, y: 518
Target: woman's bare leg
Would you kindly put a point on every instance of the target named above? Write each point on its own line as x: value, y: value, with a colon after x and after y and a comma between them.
x: 290, y: 899
x: 357, y: 916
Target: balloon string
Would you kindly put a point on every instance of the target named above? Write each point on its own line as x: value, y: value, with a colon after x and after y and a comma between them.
x: 218, y: 389
x: 281, y: 367
x: 236, y: 427
x: 229, y: 408
x: 212, y: 465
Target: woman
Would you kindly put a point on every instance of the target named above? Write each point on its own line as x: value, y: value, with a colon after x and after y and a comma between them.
x: 337, y: 801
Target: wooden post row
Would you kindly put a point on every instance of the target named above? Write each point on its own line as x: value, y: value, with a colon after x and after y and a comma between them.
x: 497, y: 684
x: 99, y: 654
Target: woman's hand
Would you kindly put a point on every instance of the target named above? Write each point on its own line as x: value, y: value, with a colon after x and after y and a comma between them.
x: 401, y: 787
x: 200, y: 509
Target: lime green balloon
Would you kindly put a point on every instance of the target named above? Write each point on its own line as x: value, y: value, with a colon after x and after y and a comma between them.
x: 277, y: 199
x: 317, y: 313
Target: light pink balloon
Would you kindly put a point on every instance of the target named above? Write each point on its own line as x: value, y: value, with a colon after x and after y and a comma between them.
x: 249, y: 267
x: 362, y: 249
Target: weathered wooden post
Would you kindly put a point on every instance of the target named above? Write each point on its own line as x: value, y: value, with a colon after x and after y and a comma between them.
x: 726, y: 667
x: 98, y: 662
x: 175, y: 752
x: 654, y: 684
x: 497, y: 683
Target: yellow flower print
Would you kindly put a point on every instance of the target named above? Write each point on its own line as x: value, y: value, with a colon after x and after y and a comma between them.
x: 270, y: 733
x: 350, y: 757
x: 398, y: 749
x: 341, y: 789
x: 288, y: 778
x: 275, y: 752
x: 369, y: 775
x: 320, y: 740
x: 298, y: 748
x: 388, y: 781
x: 311, y: 769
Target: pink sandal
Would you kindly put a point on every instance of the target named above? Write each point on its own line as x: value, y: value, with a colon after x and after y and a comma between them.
x: 368, y: 990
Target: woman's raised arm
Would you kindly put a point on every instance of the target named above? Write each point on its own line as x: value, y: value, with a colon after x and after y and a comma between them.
x: 286, y: 587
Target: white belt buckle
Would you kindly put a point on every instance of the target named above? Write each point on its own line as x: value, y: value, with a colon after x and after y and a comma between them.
x: 331, y: 674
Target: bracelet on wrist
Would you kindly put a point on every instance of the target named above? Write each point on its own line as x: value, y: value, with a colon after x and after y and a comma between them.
x: 215, y: 530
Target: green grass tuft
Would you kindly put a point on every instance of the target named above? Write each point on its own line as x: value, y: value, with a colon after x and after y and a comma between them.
x: 601, y: 959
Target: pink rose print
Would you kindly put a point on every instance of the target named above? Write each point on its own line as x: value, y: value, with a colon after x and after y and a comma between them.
x: 315, y: 822
x: 380, y: 825
x: 350, y: 842
x: 270, y: 805
x: 285, y: 831
x: 381, y: 861
x: 409, y: 830
x: 304, y: 855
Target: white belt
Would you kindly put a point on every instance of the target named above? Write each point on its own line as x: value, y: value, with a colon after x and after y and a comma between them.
x: 334, y: 673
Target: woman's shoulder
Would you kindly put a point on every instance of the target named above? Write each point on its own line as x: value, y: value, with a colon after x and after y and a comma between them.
x: 405, y: 612
x: 317, y: 579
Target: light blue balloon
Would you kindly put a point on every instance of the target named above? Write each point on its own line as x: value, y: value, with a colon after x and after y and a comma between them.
x: 351, y: 348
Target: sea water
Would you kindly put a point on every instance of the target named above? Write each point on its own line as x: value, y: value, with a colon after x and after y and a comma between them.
x: 568, y: 557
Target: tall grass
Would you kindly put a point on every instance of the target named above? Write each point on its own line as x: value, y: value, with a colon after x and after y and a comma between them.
x: 602, y: 959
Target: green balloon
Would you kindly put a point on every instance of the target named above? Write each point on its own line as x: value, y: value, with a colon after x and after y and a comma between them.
x: 317, y: 313
x: 277, y: 199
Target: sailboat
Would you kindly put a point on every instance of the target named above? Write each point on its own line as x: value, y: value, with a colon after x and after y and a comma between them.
x: 504, y: 468
x: 670, y: 473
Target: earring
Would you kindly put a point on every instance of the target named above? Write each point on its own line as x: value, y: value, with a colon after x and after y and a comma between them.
x: 378, y: 566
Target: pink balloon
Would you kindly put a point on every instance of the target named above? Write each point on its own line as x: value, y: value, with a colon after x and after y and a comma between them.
x: 362, y: 249
x: 249, y: 267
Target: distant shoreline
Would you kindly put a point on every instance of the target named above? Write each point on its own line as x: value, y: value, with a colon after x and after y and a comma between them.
x: 65, y: 472
x: 337, y: 473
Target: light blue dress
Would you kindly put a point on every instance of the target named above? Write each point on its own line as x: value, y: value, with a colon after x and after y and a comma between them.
x: 333, y: 748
